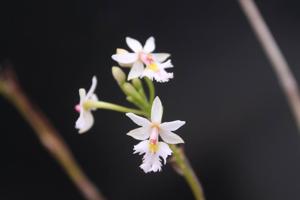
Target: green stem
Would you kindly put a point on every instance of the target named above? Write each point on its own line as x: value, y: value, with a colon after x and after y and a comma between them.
x: 114, y: 107
x: 188, y: 172
x: 151, y: 89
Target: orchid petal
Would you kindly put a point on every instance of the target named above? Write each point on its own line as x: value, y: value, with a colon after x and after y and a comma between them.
x: 156, y: 111
x: 170, y: 138
x: 85, y: 121
x: 167, y: 64
x: 128, y: 58
x: 162, y: 76
x: 164, y: 151
x: 134, y: 45
x: 123, y: 51
x: 141, y: 147
x: 172, y: 126
x: 136, y: 70
x: 82, y: 94
x: 92, y: 88
x: 149, y: 45
x: 141, y: 133
x: 160, y: 57
x: 141, y: 121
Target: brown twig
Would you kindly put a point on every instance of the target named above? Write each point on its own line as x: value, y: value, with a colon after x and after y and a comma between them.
x: 47, y: 134
x: 278, y: 62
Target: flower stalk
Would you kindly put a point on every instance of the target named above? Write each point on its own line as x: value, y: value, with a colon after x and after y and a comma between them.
x: 180, y: 159
x: 151, y: 89
x: 157, y: 138
x: 47, y: 134
x: 110, y: 106
x: 187, y: 172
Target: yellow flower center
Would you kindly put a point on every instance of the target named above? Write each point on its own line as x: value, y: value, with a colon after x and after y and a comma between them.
x: 153, y: 146
x: 153, y: 66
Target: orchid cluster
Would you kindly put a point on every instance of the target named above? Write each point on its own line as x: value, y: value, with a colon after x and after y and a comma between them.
x: 144, y: 66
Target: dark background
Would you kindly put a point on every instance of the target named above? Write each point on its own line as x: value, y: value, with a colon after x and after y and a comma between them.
x: 240, y: 134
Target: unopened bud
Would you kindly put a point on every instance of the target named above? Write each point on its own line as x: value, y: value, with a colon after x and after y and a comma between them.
x: 118, y: 75
x: 133, y: 95
x: 137, y: 83
x: 121, y: 51
x: 130, y: 90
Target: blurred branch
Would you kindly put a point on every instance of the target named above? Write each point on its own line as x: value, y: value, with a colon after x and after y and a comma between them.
x: 278, y: 62
x: 182, y: 166
x: 47, y: 134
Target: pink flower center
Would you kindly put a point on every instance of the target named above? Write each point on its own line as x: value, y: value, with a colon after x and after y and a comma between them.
x: 146, y: 58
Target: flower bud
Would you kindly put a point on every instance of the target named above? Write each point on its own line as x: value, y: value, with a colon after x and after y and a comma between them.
x: 137, y: 83
x: 133, y: 95
x: 130, y: 90
x: 121, y: 51
x: 118, y: 75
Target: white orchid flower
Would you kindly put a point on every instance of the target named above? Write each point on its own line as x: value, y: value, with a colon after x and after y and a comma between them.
x: 143, y: 56
x: 86, y: 119
x: 149, y: 133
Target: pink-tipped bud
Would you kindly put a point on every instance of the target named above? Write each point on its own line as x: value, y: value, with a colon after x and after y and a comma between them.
x: 77, y: 108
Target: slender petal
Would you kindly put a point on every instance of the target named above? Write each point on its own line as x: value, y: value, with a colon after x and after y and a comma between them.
x: 156, y: 111
x: 82, y: 94
x: 92, y: 88
x: 136, y: 70
x: 149, y: 45
x: 134, y: 45
x: 160, y: 57
x: 141, y: 133
x: 141, y: 121
x: 126, y: 58
x: 170, y: 138
x: 172, y: 126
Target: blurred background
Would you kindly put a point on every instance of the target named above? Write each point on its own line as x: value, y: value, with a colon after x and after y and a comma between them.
x: 240, y: 134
